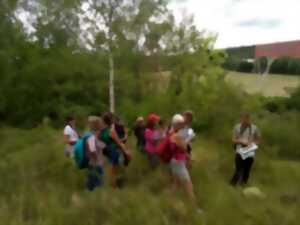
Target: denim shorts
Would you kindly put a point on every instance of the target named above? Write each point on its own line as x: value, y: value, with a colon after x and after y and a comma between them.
x: 114, y: 156
x: 94, y: 177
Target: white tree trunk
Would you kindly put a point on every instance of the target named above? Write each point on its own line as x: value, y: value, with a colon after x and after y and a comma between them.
x: 269, y: 64
x: 111, y: 84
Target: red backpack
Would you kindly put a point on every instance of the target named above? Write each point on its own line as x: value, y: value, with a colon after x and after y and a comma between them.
x: 164, y: 151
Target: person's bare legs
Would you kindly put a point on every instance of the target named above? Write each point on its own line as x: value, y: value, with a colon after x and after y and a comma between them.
x: 166, y: 172
x: 175, y: 184
x: 189, y: 190
x: 113, y: 175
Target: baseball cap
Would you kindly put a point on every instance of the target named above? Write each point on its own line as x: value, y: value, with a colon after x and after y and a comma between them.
x: 153, y: 117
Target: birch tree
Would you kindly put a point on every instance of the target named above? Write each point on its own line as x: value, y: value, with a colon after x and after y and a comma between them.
x: 101, y: 18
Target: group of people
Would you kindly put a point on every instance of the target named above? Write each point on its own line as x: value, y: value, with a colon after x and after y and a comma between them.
x: 107, y: 137
x: 166, y: 144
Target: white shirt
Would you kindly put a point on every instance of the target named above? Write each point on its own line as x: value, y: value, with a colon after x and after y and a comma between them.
x: 71, y: 133
x: 187, y: 134
x: 96, y: 146
x: 249, y: 134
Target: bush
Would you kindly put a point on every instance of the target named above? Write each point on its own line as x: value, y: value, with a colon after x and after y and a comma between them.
x: 293, y: 103
x: 294, y: 67
x: 261, y: 64
x: 275, y: 104
x: 280, y: 133
x: 53, y: 84
x: 245, y: 67
x: 286, y: 65
x: 231, y: 64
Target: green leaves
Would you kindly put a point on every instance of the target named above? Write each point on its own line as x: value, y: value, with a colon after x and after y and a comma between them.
x: 62, y: 66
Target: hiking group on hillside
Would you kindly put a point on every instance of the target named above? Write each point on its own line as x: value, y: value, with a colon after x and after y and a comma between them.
x: 166, y: 144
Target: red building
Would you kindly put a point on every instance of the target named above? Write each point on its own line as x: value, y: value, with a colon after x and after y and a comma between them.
x: 276, y: 50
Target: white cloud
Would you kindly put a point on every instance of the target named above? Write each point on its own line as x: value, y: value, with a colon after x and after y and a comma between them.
x: 244, y: 22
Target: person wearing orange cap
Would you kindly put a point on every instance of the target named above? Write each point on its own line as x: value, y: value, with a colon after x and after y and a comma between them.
x: 151, y: 139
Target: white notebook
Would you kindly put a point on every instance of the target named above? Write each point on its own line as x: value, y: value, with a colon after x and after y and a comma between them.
x: 248, y: 151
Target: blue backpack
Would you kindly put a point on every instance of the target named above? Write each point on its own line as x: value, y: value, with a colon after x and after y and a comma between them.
x: 80, y: 155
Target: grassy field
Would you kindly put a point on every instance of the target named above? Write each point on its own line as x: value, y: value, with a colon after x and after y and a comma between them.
x: 269, y: 86
x: 39, y: 186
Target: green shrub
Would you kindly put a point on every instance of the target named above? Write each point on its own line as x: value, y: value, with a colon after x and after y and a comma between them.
x: 280, y: 65
x: 280, y: 134
x: 294, y: 67
x: 293, y: 103
x: 275, y: 104
x: 231, y: 64
x: 245, y: 67
x: 286, y: 65
x: 261, y: 64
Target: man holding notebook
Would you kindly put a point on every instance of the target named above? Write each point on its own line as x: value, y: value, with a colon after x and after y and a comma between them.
x: 246, y: 137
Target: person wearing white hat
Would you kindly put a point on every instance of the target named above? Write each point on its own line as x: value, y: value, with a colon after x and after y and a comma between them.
x: 179, y: 149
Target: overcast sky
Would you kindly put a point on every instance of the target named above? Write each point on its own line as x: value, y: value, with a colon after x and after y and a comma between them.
x: 244, y: 22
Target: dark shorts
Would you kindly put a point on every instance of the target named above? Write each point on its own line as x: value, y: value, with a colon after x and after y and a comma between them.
x: 153, y: 159
x: 114, y: 156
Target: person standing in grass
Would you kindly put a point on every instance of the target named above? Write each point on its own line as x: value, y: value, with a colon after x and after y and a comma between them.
x: 245, y: 134
x: 70, y: 136
x: 95, y: 149
x: 188, y: 134
x: 178, y: 163
x: 152, y: 139
x: 122, y: 133
x: 121, y: 130
x: 139, y: 132
x: 116, y: 149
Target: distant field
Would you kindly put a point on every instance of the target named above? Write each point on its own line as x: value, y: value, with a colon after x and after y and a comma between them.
x: 269, y: 86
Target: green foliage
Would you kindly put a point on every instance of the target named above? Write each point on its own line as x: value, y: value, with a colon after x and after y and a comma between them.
x: 231, y: 64
x: 40, y: 186
x: 275, y: 105
x: 236, y: 57
x: 44, y: 85
x: 280, y: 134
x: 293, y: 103
x: 286, y: 65
x: 245, y: 67
x: 280, y: 65
x: 49, y: 73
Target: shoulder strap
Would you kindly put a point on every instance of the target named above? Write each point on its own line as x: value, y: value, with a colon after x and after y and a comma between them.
x: 243, y: 130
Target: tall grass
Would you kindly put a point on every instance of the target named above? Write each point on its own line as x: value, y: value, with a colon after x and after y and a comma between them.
x: 40, y: 186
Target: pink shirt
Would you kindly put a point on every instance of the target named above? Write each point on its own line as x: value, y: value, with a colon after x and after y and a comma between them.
x: 150, y: 141
x: 178, y: 154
